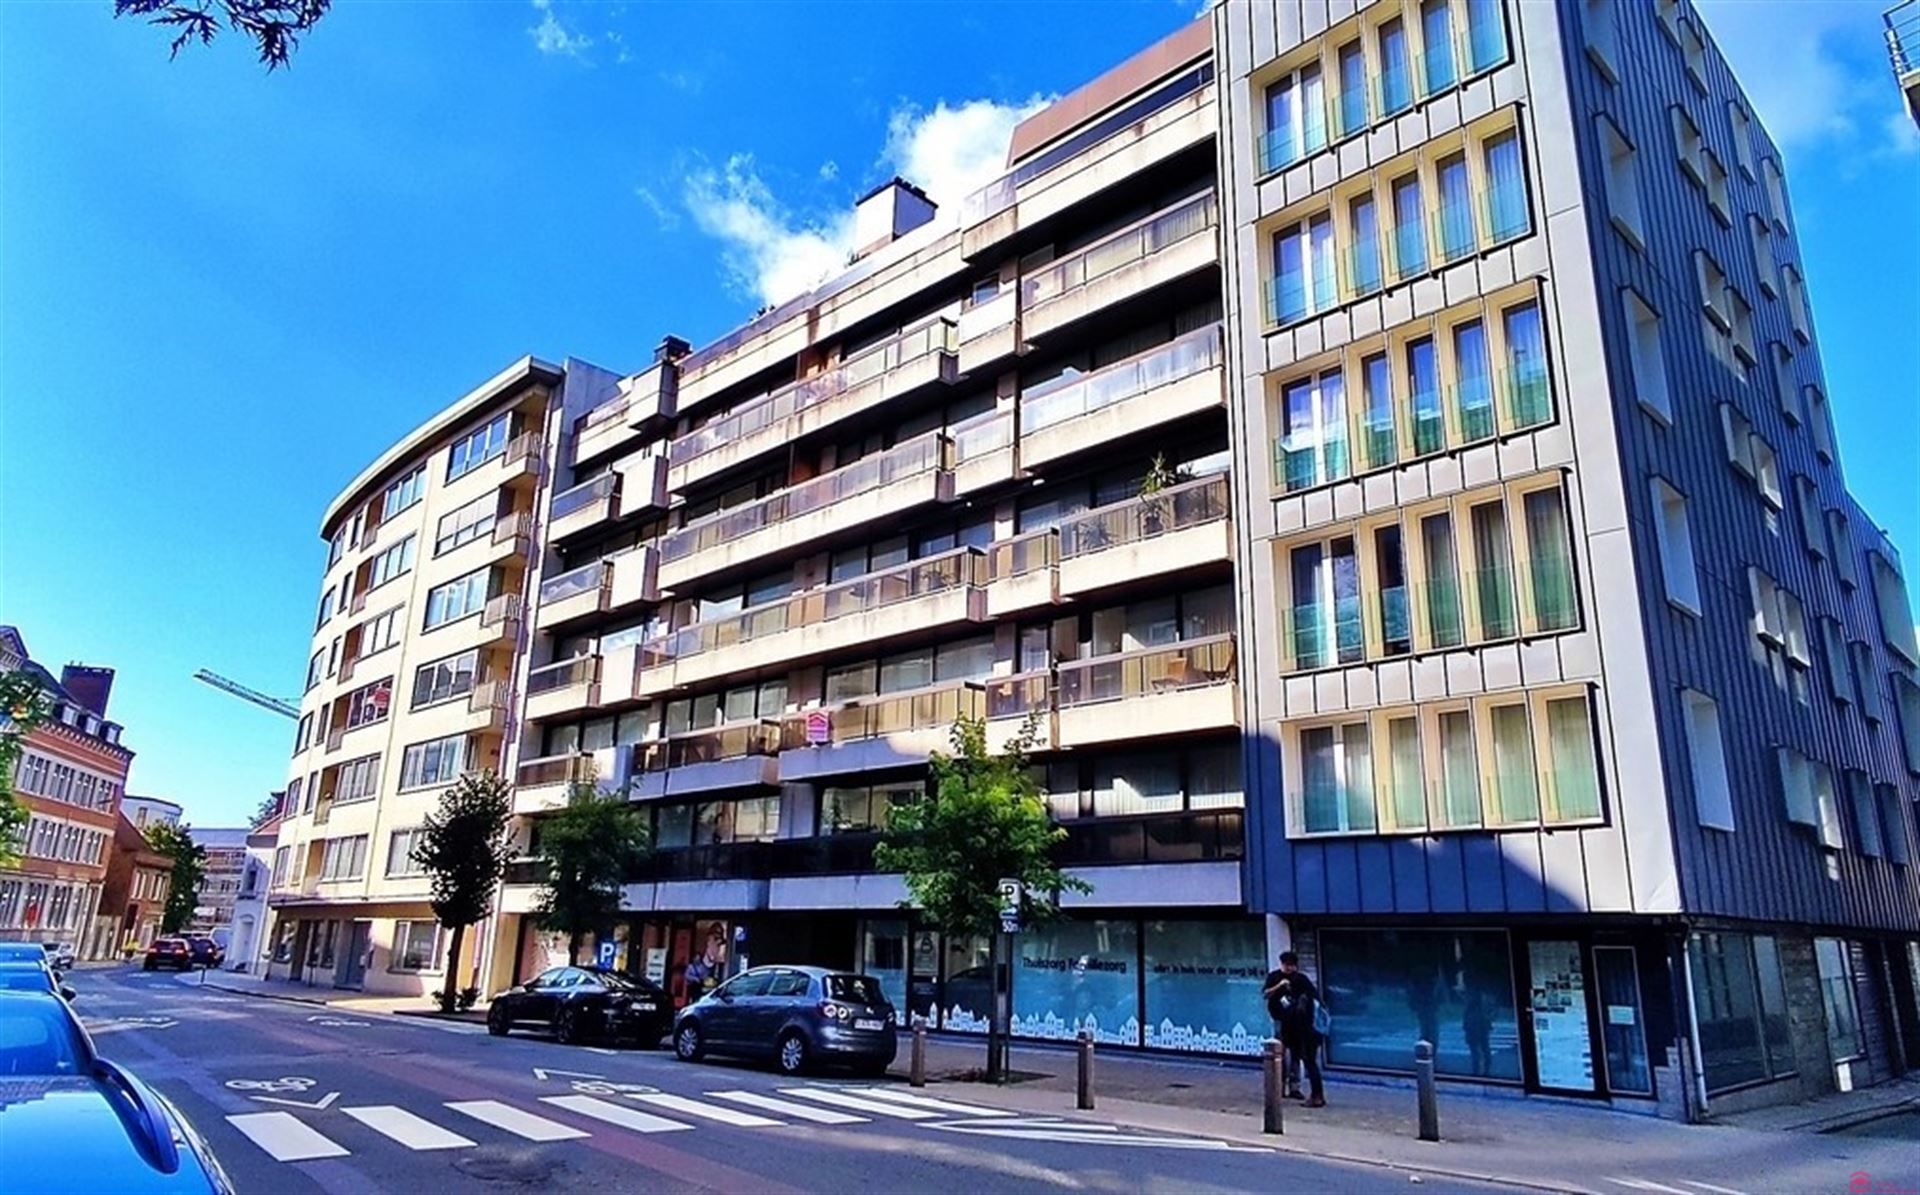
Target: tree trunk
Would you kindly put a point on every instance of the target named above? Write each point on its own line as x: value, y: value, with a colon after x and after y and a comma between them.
x: 448, y: 997
x: 573, y: 949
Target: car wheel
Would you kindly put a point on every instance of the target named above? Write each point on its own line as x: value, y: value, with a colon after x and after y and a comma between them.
x: 147, y: 966
x: 687, y: 1045
x: 791, y: 1054
x: 497, y: 1021
x: 566, y: 1027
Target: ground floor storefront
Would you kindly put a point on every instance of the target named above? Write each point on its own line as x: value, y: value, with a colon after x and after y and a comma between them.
x: 386, y: 949
x: 1667, y: 1017
x: 1188, y: 983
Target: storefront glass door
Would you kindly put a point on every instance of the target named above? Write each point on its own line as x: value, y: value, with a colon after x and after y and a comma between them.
x: 1622, y: 1020
x: 883, y: 955
x: 1557, y: 1001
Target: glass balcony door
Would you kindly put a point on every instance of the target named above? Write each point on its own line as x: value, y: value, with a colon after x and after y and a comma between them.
x: 1337, y: 779
x: 1396, y: 80
x: 1423, y: 397
x: 1313, y: 437
x: 1296, y: 118
x: 1486, y: 34
x: 1303, y: 270
x: 1455, y: 223
x: 1326, y: 622
x: 1473, y: 392
x: 1506, y: 207
x: 1409, y: 228
x: 1379, y: 440
x: 1436, y: 38
x: 1528, y: 393
x: 1363, y: 227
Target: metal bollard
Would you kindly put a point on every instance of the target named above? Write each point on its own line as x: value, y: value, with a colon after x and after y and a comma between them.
x: 1083, y: 1090
x: 1429, y: 1100
x: 917, y: 1073
x: 1273, y: 1068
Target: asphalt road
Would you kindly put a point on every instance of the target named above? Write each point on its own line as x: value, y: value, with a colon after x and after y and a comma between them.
x: 295, y: 1098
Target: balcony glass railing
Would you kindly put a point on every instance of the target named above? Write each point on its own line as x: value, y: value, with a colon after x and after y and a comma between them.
x: 554, y: 769
x: 1192, y: 837
x: 1286, y: 144
x: 575, y: 582
x: 1190, y: 217
x: 1453, y: 236
x: 1379, y: 442
x: 1428, y: 422
x: 1071, y: 395
x: 1409, y: 251
x: 1440, y: 609
x: 886, y: 714
x: 926, y: 454
x: 1363, y: 268
x: 1323, y: 634
x: 1473, y: 408
x: 869, y: 365
x: 563, y: 674
x: 1393, y: 88
x: 1556, y: 604
x: 1349, y: 110
x: 584, y: 495
x: 1023, y: 554
x: 1191, y: 664
x: 1526, y: 397
x: 982, y: 437
x: 1504, y: 210
x: 1311, y: 458
x: 1021, y: 694
x: 734, y: 740
x: 1175, y: 508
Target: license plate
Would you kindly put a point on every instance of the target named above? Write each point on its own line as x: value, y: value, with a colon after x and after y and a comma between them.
x: 647, y: 1006
x: 869, y: 1023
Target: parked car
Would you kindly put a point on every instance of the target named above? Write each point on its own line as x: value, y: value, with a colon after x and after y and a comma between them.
x: 799, y: 1017
x: 60, y: 954
x: 205, y: 950
x: 576, y: 1003
x: 12, y: 953
x: 168, y: 952
x: 29, y: 977
x: 68, y: 1115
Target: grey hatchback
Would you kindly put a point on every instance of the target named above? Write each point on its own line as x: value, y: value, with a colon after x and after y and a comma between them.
x: 798, y: 1016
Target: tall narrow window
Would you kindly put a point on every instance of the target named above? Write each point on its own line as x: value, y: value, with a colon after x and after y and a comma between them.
x: 1363, y: 222
x: 1303, y: 270
x: 1866, y: 817
x: 1441, y: 600
x: 1493, y: 571
x: 1379, y: 443
x: 1326, y: 618
x: 1674, y: 534
x: 1454, y: 230
x: 1623, y: 184
x: 1409, y: 235
x: 1296, y: 118
x: 1528, y: 394
x: 1313, y: 446
x: 1707, y: 756
x: 1390, y: 567
x: 1436, y: 38
x: 1473, y: 391
x: 1396, y: 80
x: 1404, y: 784
x: 1649, y: 360
x: 1459, y: 789
x: 1556, y: 606
x: 1573, y: 779
x: 1350, y: 109
x: 1516, y: 794
x: 1486, y: 34
x: 1506, y: 188
x: 1423, y: 398
x: 1337, y: 775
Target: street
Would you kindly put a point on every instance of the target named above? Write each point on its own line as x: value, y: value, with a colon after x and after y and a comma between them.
x: 299, y: 1098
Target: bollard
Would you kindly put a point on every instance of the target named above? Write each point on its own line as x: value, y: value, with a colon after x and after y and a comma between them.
x: 1274, y: 1069
x: 917, y: 1075
x: 1429, y: 1100
x: 1083, y: 1090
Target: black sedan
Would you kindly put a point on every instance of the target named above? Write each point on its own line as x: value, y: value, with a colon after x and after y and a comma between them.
x: 576, y: 1003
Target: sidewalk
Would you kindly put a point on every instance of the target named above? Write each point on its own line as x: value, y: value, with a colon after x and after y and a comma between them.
x: 1558, y: 1145
x: 344, y: 1001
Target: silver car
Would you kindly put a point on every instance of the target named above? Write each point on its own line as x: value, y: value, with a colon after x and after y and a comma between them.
x: 799, y: 1017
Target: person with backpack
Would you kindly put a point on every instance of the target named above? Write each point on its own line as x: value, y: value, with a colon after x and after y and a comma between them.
x: 1298, y: 1020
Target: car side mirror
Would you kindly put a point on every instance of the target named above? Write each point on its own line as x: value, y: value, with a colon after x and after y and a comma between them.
x: 67, y: 993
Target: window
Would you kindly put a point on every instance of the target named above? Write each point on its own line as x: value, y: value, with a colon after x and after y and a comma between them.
x: 1396, y: 77
x: 1623, y: 183
x: 1776, y: 193
x: 1409, y: 228
x: 336, y: 544
x: 1890, y: 601
x: 1766, y: 473
x: 443, y: 680
x: 463, y: 526
x: 480, y: 446
x: 1740, y: 1000
x: 1716, y: 184
x: 369, y: 703
x: 1807, y: 789
x: 357, y: 780
x: 1296, y: 118
x: 403, y: 493
x: 1715, y: 298
x: 1303, y: 270
x: 435, y: 762
x: 291, y: 805
x: 394, y: 562
x: 1506, y: 195
x: 1866, y: 681
x: 316, y: 668
x: 1742, y: 126
x: 1840, y: 536
x: 1649, y: 361
x: 1675, y: 537
x: 1893, y: 823
x: 1760, y: 239
x: 326, y: 609
x: 1743, y: 342
x: 1312, y: 449
x: 1813, y: 527
x: 1696, y: 54
x: 1833, y: 645
x: 1906, y: 697
x: 1819, y: 421
x: 344, y: 858
x: 1436, y: 45
x: 379, y: 633
x: 1707, y: 756
x: 457, y: 598
x: 1669, y: 13
x: 400, y: 847
x: 863, y: 809
x: 1845, y: 1037
x: 1786, y: 389
x: 1349, y: 109
x: 416, y: 946
x: 1866, y: 814
x: 1603, y: 38
x: 1454, y: 977
x: 1687, y: 145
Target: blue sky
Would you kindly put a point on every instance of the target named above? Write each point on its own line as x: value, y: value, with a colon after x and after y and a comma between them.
x: 222, y: 293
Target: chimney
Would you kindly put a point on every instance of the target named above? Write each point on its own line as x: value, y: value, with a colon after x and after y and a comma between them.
x: 672, y: 348
x: 888, y: 212
x: 88, y: 686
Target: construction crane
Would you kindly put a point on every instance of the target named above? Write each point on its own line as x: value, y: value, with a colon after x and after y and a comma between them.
x: 285, y: 709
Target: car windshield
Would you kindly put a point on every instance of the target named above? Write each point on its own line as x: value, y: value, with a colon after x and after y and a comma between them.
x: 855, y: 989
x: 38, y: 1037
x: 24, y: 979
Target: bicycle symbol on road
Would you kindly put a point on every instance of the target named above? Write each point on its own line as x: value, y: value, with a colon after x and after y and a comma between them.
x: 609, y: 1087
x: 284, y: 1084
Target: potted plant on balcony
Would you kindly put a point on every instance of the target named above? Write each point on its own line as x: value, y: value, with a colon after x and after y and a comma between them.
x: 1155, y: 508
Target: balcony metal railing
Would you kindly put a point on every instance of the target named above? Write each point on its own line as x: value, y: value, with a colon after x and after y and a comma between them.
x: 940, y: 335
x: 554, y: 769
x: 563, y: 674
x: 1176, y: 508
x: 1021, y: 694
x: 981, y: 437
x: 582, y: 496
x: 734, y: 740
x: 510, y: 527
x: 924, y: 454
x: 1189, y: 217
x: 1070, y: 395
x: 1023, y: 554
x: 575, y: 582
x: 501, y: 608
x: 1903, y: 38
x: 1197, y: 836
x: 1146, y: 671
x: 931, y: 708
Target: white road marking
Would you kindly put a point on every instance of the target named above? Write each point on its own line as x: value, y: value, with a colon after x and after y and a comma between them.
x: 680, y: 1103
x: 1053, y: 1129
x: 841, y: 1099
x: 406, y: 1128
x: 513, y: 1120
x: 921, y: 1101
x: 282, y: 1135
x: 542, y: 1073
x: 1711, y: 1187
x: 1641, y: 1184
x: 754, y: 1099
x: 614, y: 1114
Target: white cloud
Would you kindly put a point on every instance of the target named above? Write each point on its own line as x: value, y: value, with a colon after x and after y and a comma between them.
x: 773, y: 253
x: 551, y: 35
x: 667, y: 217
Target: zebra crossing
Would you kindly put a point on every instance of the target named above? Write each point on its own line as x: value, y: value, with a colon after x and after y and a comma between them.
x: 288, y: 1138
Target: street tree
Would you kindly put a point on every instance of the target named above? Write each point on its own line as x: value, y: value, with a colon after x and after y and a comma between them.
x: 274, y: 26
x: 982, y: 820
x: 589, y: 846
x: 24, y: 704
x: 464, y: 846
x: 269, y: 808
x: 189, y: 868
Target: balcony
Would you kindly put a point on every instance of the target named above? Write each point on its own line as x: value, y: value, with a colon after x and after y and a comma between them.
x: 1177, y: 530
x: 583, y: 507
x: 1160, y: 249
x: 575, y: 593
x: 989, y: 330
x: 521, y: 463
x: 566, y: 687
x: 880, y: 487
x: 1197, y: 836
x: 937, y: 591
x: 1016, y: 702
x: 500, y: 620
x: 512, y: 536
x: 644, y: 404
x: 541, y: 785
x: 882, y: 731
x: 732, y: 756
x: 1082, y: 412
x: 984, y: 454
x: 1023, y: 572
x: 1176, y: 689
x: 1903, y: 47
x: 643, y: 484
x: 487, y: 707
x: 917, y: 358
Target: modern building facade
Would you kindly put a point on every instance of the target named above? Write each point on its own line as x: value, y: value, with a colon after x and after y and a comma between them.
x: 247, y: 948
x: 1428, y: 387
x: 1580, y: 694
x: 221, y: 878
x: 1903, y: 48
x: 150, y: 811
x: 138, y: 881
x: 71, y: 774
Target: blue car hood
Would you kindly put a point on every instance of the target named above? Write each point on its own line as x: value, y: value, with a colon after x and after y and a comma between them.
x: 55, y: 1129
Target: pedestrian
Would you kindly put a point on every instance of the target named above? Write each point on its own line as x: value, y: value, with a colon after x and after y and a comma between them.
x: 1293, y: 1002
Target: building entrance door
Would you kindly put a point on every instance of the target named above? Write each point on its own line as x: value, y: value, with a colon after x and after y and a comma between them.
x: 1559, y: 1027
x: 350, y: 969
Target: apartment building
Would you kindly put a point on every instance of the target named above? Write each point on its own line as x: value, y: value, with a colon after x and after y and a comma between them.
x: 1903, y: 48
x: 150, y: 811
x: 222, y: 875
x: 1580, y: 695
x: 419, y: 624
x: 136, y: 887
x: 71, y: 773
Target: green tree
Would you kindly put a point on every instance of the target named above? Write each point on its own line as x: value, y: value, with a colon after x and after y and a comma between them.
x: 274, y: 26
x: 23, y: 706
x: 189, y: 868
x: 589, y: 847
x: 269, y: 807
x: 464, y: 847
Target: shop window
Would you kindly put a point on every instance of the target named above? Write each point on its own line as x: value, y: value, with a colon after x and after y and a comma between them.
x: 1740, y: 1005
x: 1454, y: 989
x: 1846, y: 1037
x: 1078, y: 975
